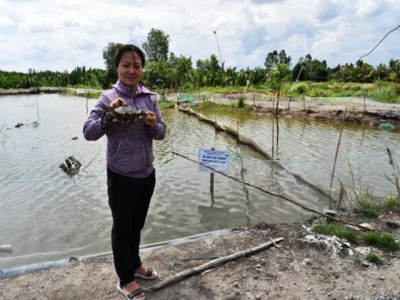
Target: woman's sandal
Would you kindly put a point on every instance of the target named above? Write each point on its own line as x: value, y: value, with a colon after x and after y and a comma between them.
x: 149, y: 275
x: 132, y: 295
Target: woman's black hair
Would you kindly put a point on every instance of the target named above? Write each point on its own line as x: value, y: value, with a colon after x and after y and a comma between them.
x: 130, y: 48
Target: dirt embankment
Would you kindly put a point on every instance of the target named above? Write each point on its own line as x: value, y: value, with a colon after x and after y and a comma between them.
x: 299, y: 267
x: 356, y: 111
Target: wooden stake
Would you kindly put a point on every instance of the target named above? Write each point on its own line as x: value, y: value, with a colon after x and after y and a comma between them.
x: 336, y: 155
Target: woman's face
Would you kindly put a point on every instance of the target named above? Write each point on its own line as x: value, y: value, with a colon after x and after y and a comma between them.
x: 130, y: 69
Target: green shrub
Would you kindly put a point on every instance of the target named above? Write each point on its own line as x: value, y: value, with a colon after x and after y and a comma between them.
x: 241, y: 103
x: 299, y: 89
x: 339, y: 231
x: 374, y: 258
x: 384, y: 94
x: 381, y: 241
x: 368, y: 209
x: 371, y: 207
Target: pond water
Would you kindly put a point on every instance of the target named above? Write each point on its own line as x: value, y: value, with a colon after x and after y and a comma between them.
x: 47, y: 216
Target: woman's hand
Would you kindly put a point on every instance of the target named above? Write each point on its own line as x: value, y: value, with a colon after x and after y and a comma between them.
x: 117, y: 103
x: 150, y: 119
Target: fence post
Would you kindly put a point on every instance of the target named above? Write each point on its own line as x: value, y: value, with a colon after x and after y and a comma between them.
x: 212, y: 181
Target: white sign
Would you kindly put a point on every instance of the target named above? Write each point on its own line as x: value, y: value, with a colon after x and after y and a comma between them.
x: 218, y: 160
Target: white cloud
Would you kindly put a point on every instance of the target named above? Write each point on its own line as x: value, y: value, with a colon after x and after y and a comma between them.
x: 5, y: 21
x: 58, y: 35
x: 329, y: 44
x: 297, y: 44
x: 369, y: 8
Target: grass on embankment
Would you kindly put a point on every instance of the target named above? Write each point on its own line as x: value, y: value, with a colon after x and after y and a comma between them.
x: 381, y: 91
x: 370, y: 213
x: 238, y: 107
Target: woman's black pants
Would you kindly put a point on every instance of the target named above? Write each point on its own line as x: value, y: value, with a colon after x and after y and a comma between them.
x: 129, y: 200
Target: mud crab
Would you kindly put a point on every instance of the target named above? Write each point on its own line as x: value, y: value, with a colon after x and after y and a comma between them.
x: 127, y: 113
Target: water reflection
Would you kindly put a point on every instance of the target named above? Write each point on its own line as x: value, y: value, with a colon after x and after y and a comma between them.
x: 45, y: 215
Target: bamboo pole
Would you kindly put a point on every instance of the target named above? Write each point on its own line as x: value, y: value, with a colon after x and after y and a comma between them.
x: 246, y: 191
x: 336, y: 156
x: 212, y: 181
x: 210, y: 264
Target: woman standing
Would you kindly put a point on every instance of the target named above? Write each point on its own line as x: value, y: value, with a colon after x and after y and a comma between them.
x: 130, y: 173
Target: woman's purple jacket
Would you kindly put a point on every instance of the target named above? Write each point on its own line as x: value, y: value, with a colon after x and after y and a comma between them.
x: 129, y: 145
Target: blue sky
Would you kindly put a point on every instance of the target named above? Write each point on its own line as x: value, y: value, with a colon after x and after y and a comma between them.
x: 60, y: 35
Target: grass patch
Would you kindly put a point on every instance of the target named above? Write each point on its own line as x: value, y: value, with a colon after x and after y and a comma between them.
x: 374, y: 258
x: 87, y: 94
x: 337, y: 230
x: 386, y: 92
x: 371, y: 208
x: 165, y: 103
x: 241, y: 103
x: 211, y: 106
x: 385, y: 95
x: 382, y: 241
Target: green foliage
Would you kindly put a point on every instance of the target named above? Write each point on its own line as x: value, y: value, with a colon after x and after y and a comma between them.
x: 381, y: 241
x: 371, y: 208
x: 277, y: 76
x: 391, y: 205
x: 337, y: 230
x: 368, y: 209
x: 300, y: 89
x: 374, y: 258
x: 385, y: 94
x: 109, y: 53
x: 165, y: 103
x: 273, y: 58
x: 181, y: 70
x: 211, y: 106
x: 241, y: 103
x: 156, y: 46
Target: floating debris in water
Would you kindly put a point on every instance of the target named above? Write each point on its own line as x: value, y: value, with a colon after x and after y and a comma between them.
x: 70, y: 166
x: 6, y: 249
x: 34, y: 124
x: 75, y: 138
x: 387, y: 126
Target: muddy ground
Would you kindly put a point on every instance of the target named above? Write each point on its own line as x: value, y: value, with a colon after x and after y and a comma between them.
x: 355, y: 111
x: 295, y: 268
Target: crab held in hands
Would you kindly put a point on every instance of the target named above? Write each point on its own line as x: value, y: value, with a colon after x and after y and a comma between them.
x: 127, y: 113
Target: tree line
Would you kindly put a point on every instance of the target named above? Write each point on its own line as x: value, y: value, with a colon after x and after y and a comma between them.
x: 165, y: 70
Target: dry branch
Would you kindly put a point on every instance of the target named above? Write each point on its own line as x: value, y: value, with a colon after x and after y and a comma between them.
x: 211, y: 264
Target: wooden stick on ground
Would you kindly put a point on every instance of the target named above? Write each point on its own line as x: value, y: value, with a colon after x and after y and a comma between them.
x: 212, y: 263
